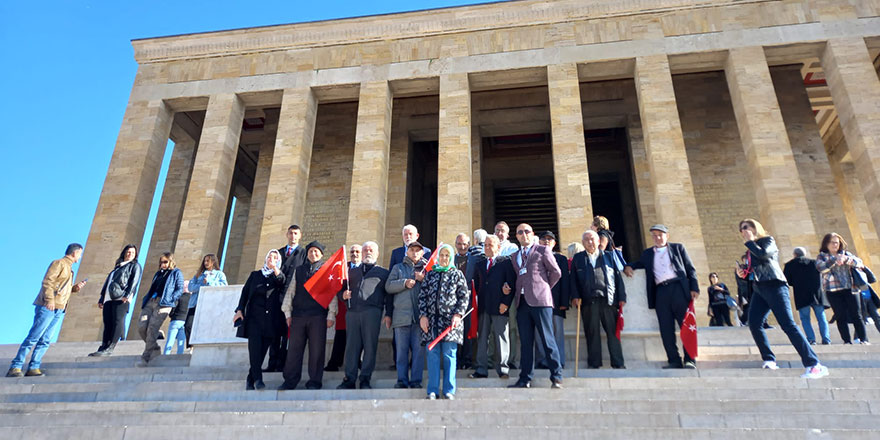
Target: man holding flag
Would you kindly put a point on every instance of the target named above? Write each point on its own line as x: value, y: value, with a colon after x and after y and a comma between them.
x: 671, y: 283
x: 310, y: 295
x: 403, y: 287
x: 365, y: 298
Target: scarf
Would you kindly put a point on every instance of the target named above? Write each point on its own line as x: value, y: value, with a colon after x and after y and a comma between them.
x: 266, y: 271
x: 437, y: 267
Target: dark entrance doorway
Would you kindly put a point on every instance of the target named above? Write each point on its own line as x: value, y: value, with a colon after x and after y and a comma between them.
x: 421, y: 193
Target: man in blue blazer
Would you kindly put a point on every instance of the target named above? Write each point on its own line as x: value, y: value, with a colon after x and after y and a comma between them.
x: 671, y: 283
x: 537, y: 273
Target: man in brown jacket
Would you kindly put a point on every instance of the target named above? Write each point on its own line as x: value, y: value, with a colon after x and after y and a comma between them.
x: 50, y: 305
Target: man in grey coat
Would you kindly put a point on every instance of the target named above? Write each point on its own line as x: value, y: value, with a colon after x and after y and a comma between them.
x: 403, y: 285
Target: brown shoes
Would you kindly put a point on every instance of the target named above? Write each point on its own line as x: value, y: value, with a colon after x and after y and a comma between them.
x: 14, y: 372
x: 34, y: 373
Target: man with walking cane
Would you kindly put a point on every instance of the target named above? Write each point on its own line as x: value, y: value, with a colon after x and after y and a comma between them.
x: 598, y: 292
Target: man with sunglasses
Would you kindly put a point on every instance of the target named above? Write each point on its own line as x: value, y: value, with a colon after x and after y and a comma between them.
x: 671, y: 283
x: 537, y: 273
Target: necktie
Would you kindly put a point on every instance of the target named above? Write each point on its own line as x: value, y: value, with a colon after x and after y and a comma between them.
x: 491, y: 262
x: 289, y: 250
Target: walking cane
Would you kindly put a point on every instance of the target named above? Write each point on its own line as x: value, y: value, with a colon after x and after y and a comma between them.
x: 577, y: 341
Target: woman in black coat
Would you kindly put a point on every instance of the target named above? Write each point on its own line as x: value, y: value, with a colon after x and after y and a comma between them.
x: 116, y: 295
x: 260, y: 309
x: 771, y: 294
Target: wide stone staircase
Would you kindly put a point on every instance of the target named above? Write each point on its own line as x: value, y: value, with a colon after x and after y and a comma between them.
x: 729, y: 396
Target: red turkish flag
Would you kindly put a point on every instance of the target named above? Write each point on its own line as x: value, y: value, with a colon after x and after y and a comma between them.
x: 689, y: 332
x: 472, y: 332
x: 328, y: 280
x: 619, y: 320
x: 432, y: 259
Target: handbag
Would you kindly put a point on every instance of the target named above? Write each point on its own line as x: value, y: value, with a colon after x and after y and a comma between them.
x: 239, y: 328
x: 859, y: 279
x: 619, y: 261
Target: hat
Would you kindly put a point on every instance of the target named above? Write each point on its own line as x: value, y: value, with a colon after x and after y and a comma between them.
x: 546, y: 234
x: 315, y: 244
x: 659, y: 227
x: 414, y: 244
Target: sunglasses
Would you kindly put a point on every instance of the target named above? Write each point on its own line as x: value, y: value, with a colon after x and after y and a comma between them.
x: 524, y: 231
x: 744, y: 228
x: 163, y: 261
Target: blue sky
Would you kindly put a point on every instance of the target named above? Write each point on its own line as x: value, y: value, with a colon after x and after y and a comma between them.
x: 68, y: 68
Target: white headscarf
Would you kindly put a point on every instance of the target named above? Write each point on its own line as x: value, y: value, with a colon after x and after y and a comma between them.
x: 266, y: 271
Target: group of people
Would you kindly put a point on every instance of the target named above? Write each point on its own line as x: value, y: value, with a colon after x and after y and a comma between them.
x: 522, y: 293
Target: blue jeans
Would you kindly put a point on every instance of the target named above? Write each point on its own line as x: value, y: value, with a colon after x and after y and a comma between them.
x: 819, y: 310
x: 176, y: 336
x: 409, y: 341
x: 46, y: 322
x: 773, y: 295
x: 442, y: 352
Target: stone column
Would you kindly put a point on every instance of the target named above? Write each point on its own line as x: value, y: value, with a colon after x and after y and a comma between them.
x: 209, y: 187
x: 574, y: 208
x: 289, y: 176
x: 476, y: 181
x: 781, y: 198
x: 250, y: 252
x: 121, y: 216
x: 168, y: 218
x: 395, y: 208
x: 642, y: 176
x: 454, y: 157
x: 674, y: 200
x: 369, y: 174
x: 855, y: 90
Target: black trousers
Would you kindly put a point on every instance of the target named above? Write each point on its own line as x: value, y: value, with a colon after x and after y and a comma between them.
x: 337, y: 355
x: 277, y: 353
x: 362, y: 336
x: 722, y: 315
x: 188, y: 324
x: 311, y: 330
x: 114, y: 323
x: 257, y: 347
x: 671, y: 307
x: 596, y: 313
x: 846, y: 308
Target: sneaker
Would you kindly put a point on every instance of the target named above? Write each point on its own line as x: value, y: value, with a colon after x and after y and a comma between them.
x: 815, y: 372
x: 770, y: 365
x: 14, y: 372
x: 856, y: 341
x: 34, y: 373
x: 432, y: 396
x: 866, y: 343
x: 690, y: 365
x: 450, y: 396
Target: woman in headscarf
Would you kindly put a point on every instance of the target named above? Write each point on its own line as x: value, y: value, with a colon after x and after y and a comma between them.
x: 443, y: 300
x: 260, y: 309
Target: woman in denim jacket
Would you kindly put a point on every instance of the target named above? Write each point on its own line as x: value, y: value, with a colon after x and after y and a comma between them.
x: 835, y: 266
x: 209, y: 274
x: 771, y: 294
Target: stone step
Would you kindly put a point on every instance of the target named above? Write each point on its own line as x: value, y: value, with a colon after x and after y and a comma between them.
x: 429, y: 414
x: 409, y: 431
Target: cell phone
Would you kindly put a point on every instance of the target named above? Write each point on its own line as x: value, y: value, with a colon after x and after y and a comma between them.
x: 85, y: 280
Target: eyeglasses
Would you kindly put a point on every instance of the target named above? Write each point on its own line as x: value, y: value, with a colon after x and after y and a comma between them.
x: 523, y: 231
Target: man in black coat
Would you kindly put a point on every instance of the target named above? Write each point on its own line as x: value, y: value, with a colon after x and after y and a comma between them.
x: 365, y: 298
x: 292, y: 256
x: 597, y: 287
x: 802, y: 275
x: 493, y: 277
x: 671, y: 283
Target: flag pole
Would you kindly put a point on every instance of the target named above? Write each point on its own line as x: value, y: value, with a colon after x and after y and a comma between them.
x: 446, y: 332
x: 577, y: 340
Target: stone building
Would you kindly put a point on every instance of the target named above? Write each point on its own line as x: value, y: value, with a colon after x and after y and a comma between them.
x: 693, y: 113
